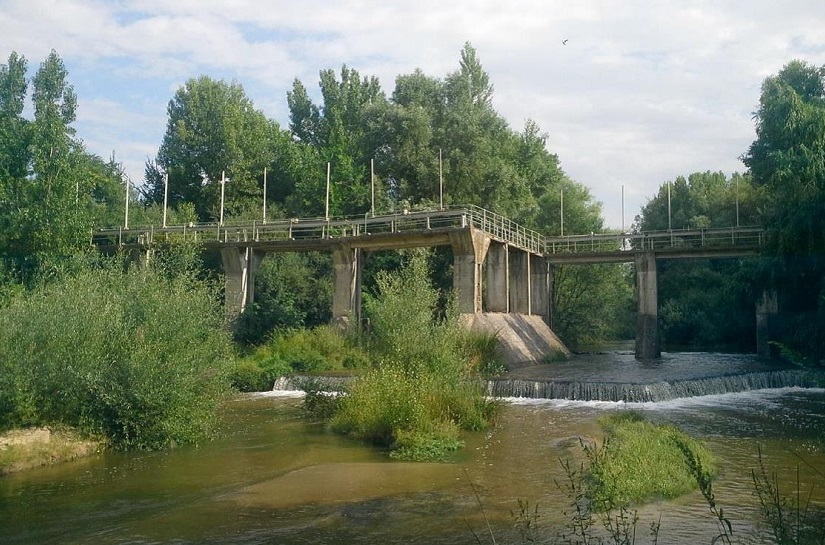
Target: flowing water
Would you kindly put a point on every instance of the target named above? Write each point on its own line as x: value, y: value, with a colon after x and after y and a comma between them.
x: 274, y: 478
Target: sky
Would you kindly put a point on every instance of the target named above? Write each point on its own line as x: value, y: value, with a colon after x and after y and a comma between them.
x: 630, y: 93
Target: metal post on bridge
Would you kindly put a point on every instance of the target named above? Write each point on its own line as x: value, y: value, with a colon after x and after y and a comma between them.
x: 165, y: 196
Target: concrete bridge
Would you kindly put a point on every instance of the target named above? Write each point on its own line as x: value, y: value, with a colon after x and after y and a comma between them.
x: 499, y: 266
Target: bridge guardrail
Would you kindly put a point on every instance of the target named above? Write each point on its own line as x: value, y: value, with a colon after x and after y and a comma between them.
x: 739, y: 237
x: 323, y: 228
x: 506, y: 229
x: 492, y: 223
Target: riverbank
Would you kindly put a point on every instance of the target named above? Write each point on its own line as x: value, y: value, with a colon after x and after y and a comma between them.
x: 28, y: 448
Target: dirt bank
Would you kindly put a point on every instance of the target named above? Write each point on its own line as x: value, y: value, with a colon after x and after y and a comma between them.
x: 34, y: 447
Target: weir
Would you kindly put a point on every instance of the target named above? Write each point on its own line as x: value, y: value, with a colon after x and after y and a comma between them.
x: 664, y: 390
x: 646, y: 393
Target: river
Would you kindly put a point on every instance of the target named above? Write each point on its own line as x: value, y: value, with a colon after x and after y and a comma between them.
x: 271, y: 477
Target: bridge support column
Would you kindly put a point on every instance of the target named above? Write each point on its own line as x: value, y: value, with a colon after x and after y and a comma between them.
x: 551, y: 309
x: 540, y: 287
x: 141, y: 258
x: 469, y: 250
x: 346, y: 295
x: 647, y: 320
x: 498, y: 278
x: 520, y: 292
x: 239, y: 266
x: 766, y: 311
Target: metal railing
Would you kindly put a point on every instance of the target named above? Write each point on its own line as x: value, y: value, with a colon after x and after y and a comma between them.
x: 506, y: 230
x: 496, y: 225
x: 322, y: 228
x: 682, y: 239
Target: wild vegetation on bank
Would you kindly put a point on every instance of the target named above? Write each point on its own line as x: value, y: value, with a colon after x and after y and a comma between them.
x: 138, y: 358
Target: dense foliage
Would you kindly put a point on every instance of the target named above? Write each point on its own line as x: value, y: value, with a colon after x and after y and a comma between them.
x: 417, y: 396
x: 705, y: 303
x: 139, y: 358
x: 787, y: 162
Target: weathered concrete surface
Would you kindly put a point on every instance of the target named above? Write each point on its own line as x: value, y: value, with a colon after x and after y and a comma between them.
x: 346, y: 295
x: 647, y: 319
x: 766, y: 311
x: 240, y: 264
x: 469, y: 252
x: 522, y: 339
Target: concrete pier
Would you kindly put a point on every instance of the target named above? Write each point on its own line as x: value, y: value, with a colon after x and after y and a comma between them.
x: 498, y: 278
x: 346, y: 296
x: 766, y: 310
x: 240, y: 264
x: 647, y: 320
x: 540, y: 287
x: 469, y: 250
x: 520, y: 291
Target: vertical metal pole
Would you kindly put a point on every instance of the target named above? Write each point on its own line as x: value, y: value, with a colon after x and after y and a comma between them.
x: 126, y: 218
x: 440, y: 181
x: 561, y: 213
x: 264, y: 218
x: 372, y: 188
x: 669, y: 224
x: 165, y: 196
x: 223, y: 189
x: 622, y: 208
x: 737, y: 202
x: 326, y: 210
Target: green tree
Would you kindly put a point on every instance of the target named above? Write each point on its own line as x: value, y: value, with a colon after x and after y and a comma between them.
x: 787, y: 161
x: 14, y: 138
x: 14, y: 153
x: 337, y: 133
x: 213, y: 131
x: 46, y: 189
x: 705, y: 303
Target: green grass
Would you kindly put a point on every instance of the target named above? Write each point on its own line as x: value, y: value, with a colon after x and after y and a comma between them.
x: 324, y: 349
x: 641, y: 461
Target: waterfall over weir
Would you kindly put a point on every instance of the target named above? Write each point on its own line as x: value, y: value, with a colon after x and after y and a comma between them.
x: 651, y: 392
x: 663, y: 390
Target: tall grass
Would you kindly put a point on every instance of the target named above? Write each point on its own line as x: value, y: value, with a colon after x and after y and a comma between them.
x: 420, y: 392
x: 641, y: 460
x: 139, y: 357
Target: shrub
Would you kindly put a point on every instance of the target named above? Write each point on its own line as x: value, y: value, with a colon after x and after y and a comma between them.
x: 324, y: 348
x: 139, y: 357
x: 421, y: 393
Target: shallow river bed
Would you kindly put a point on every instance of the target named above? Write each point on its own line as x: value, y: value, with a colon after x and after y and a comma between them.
x: 273, y: 478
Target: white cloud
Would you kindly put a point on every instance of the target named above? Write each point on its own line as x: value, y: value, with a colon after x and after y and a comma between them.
x: 641, y: 93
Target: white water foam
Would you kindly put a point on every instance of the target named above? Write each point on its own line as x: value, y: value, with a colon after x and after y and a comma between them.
x: 766, y: 397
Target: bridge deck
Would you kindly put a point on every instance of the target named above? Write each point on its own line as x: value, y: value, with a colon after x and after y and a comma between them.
x: 433, y: 228
x: 392, y: 231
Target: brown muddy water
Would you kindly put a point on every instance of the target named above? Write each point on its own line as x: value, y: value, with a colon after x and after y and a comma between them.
x: 274, y: 478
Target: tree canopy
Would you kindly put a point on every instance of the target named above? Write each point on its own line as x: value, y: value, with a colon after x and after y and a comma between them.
x: 51, y: 190
x: 787, y: 162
